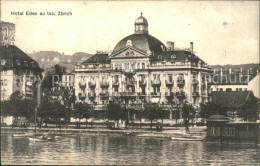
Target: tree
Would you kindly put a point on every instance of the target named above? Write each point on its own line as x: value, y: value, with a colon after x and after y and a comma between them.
x: 152, y: 112
x: 82, y: 110
x: 249, y: 110
x: 53, y: 75
x: 19, y: 106
x: 188, y: 114
x: 208, y: 109
x: 115, y: 112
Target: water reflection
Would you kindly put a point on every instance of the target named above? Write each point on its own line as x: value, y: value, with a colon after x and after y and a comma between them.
x: 120, y: 150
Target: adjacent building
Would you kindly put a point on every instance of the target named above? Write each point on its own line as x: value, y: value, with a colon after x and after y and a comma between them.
x: 141, y: 68
x: 18, y: 71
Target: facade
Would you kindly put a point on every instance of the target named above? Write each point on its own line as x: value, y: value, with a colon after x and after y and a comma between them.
x: 236, y: 80
x: 141, y: 68
x: 18, y: 71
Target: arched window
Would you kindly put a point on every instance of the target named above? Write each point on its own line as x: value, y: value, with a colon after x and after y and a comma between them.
x: 159, y: 57
x: 138, y: 65
x: 116, y: 66
x: 173, y: 56
x: 143, y: 65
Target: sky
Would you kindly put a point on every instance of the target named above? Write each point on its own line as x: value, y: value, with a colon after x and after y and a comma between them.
x: 223, y: 32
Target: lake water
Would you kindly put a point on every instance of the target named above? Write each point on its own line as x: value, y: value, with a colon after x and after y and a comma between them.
x: 111, y: 149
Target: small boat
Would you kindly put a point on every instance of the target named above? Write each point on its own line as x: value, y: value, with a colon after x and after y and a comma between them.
x: 188, y: 137
x: 41, y: 139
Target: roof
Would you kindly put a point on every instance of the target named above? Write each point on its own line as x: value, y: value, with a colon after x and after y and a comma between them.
x: 141, y: 20
x: 178, y: 55
x: 231, y: 79
x: 100, y: 58
x: 143, y: 42
x: 232, y: 99
x: 15, y: 57
x: 219, y: 118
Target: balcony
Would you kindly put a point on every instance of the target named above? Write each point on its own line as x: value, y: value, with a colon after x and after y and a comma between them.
x: 92, y: 84
x: 195, y: 94
x: 82, y: 85
x: 128, y: 94
x: 194, y: 82
x: 104, y: 94
x: 129, y: 72
x: 130, y: 83
x: 169, y: 83
x: 104, y: 84
x: 168, y: 94
x: 156, y: 94
x: 141, y: 94
x: 115, y: 83
x: 156, y: 82
x: 92, y: 95
x: 82, y: 95
x: 142, y: 83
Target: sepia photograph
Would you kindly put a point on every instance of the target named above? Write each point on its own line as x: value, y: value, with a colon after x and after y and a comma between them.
x: 130, y: 83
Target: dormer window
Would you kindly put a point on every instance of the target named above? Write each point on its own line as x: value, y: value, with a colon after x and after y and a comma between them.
x: 18, y: 62
x: 25, y: 63
x: 3, y: 62
x: 96, y: 60
x: 173, y: 56
x: 33, y: 64
x: 127, y: 53
x: 160, y: 57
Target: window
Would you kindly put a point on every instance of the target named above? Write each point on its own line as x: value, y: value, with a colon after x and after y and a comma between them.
x: 3, y: 62
x: 4, y: 72
x: 229, y: 89
x: 240, y: 89
x: 138, y: 65
x: 4, y: 82
x: 236, y: 89
x: 25, y: 63
x: 116, y: 66
x: 245, y: 89
x: 170, y: 78
x: 18, y: 62
x: 96, y: 60
x: 220, y: 89
x: 143, y: 65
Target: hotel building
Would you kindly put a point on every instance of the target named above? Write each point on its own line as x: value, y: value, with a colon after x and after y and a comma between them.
x: 141, y: 68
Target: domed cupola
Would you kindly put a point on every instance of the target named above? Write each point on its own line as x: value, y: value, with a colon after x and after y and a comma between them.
x: 141, y: 25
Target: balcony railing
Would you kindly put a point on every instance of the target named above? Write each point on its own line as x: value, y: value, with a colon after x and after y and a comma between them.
x: 130, y: 82
x: 92, y: 84
x: 128, y: 94
x: 129, y: 71
x: 104, y: 84
x: 141, y: 94
x: 156, y: 94
x: 195, y: 94
x: 82, y: 95
x: 92, y: 94
x: 115, y: 83
x: 104, y: 94
x: 167, y: 82
x: 156, y: 82
x: 142, y: 82
x: 169, y: 94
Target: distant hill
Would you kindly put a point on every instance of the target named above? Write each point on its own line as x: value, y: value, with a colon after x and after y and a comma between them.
x: 48, y: 59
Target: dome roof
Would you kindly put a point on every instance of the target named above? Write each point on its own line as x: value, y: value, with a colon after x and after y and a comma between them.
x: 217, y: 118
x: 141, y: 20
x: 143, y: 42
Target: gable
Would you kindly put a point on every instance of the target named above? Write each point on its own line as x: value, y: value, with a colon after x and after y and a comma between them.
x: 129, y: 53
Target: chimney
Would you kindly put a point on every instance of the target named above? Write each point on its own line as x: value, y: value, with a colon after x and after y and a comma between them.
x: 191, y: 47
x: 251, y: 71
x: 256, y: 71
x: 230, y: 70
x: 214, y: 71
x: 241, y: 70
x: 170, y: 46
x: 221, y: 73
